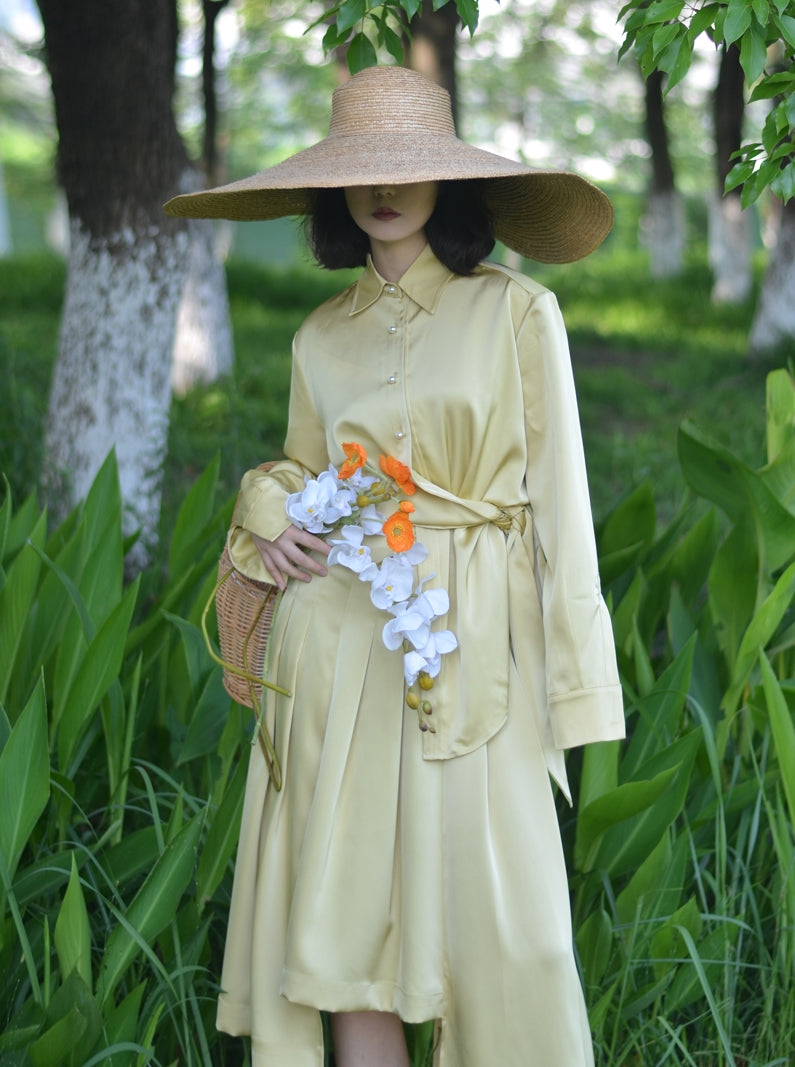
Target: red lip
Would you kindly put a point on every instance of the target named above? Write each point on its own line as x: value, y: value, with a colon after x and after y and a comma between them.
x: 385, y: 213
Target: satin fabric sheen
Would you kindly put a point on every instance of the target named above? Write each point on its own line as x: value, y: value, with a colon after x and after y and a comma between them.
x: 422, y: 872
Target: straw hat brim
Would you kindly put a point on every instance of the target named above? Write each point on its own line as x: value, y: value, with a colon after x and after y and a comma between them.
x: 549, y: 216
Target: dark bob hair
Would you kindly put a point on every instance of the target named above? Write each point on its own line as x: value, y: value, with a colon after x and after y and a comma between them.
x: 459, y: 231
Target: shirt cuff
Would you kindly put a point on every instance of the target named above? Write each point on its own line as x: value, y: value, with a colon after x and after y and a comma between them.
x: 587, y: 715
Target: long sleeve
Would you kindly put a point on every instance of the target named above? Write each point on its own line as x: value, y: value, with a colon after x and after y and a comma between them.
x: 260, y: 505
x: 583, y: 688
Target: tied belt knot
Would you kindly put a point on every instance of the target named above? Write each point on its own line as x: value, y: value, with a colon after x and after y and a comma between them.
x: 490, y: 562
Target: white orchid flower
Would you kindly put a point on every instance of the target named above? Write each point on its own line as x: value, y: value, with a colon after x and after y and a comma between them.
x: 428, y: 659
x: 349, y: 552
x: 393, y: 583
x: 321, y: 503
x: 407, y: 624
x: 371, y: 520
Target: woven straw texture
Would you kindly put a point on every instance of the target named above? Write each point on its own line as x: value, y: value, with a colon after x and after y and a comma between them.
x: 391, y: 125
x: 244, y: 608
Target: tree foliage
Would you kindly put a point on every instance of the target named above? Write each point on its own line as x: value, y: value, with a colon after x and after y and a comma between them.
x: 365, y: 26
x: 663, y: 34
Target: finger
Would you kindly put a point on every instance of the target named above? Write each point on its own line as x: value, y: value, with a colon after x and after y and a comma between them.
x: 312, y: 543
x: 299, y: 558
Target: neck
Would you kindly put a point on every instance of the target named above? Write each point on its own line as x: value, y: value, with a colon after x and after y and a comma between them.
x: 393, y: 258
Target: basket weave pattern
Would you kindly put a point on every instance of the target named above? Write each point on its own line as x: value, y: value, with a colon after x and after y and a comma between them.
x: 245, y: 610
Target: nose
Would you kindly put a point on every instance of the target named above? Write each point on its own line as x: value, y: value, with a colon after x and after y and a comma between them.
x: 383, y: 192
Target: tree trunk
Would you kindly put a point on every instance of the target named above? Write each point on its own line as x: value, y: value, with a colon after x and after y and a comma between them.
x: 211, y: 10
x: 431, y: 49
x: 774, y: 318
x: 203, y: 346
x: 663, y: 226
x: 120, y: 157
x: 730, y: 236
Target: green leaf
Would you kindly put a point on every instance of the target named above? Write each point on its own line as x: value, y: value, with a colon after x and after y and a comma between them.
x: 98, y: 670
x: 667, y: 943
x: 393, y: 43
x: 703, y: 19
x: 16, y: 601
x: 74, y: 1026
x: 628, y: 842
x: 222, y: 837
x: 622, y: 803
x: 761, y: 9
x: 659, y: 713
x: 655, y: 888
x: 664, y: 35
x: 361, y: 54
x: 718, y: 475
x: 154, y: 906
x: 663, y: 10
x: 5, y: 518
x: 786, y: 24
x: 783, y: 185
x: 24, y: 778
x: 738, y: 19
x: 772, y: 85
x: 733, y: 586
x: 72, y: 934
x: 760, y: 630
x: 350, y: 13
x: 208, y: 720
x: 594, y: 941
x: 780, y: 411
x: 676, y: 61
x: 121, y: 1025
x: 411, y: 7
x: 753, y: 52
x: 783, y: 731
x: 632, y: 522
x: 468, y: 13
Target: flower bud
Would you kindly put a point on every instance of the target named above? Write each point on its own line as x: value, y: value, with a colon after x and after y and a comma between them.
x: 425, y: 680
x: 363, y: 500
x: 427, y: 707
x: 412, y: 699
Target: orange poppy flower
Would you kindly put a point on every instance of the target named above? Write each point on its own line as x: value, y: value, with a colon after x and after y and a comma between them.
x: 398, y: 472
x: 406, y: 506
x: 399, y: 532
x: 356, y: 457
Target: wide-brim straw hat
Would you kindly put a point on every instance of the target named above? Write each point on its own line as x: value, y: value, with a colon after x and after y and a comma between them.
x: 390, y: 125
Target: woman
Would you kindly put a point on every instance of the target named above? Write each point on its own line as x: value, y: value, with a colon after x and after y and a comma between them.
x: 404, y: 873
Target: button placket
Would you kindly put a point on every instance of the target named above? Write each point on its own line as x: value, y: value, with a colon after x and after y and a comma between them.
x: 397, y: 330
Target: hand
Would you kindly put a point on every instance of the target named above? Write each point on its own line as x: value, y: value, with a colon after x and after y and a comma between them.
x: 286, y: 557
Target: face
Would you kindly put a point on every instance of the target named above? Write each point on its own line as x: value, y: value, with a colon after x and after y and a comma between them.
x: 392, y: 213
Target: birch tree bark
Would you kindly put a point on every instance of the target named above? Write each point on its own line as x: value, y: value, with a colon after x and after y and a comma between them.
x: 663, y: 225
x: 111, y: 64
x: 774, y: 316
x: 729, y: 226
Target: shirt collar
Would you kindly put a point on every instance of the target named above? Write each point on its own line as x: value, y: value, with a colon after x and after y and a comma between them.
x: 423, y: 282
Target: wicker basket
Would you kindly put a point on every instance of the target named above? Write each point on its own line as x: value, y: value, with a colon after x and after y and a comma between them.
x: 245, y: 610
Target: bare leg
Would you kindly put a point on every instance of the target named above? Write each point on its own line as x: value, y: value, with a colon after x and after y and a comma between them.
x: 368, y: 1039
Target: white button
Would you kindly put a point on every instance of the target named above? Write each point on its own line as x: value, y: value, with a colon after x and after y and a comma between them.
x: 391, y: 289
x: 392, y: 379
x: 392, y: 329
x: 400, y: 435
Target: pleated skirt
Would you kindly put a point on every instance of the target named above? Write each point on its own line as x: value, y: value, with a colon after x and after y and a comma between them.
x: 379, y: 880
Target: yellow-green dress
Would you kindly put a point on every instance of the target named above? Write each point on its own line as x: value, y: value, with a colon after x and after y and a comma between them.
x: 422, y: 872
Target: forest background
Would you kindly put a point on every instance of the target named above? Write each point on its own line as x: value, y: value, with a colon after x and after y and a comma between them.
x: 122, y: 760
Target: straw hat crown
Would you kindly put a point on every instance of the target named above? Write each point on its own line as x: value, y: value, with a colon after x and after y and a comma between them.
x: 392, y: 125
